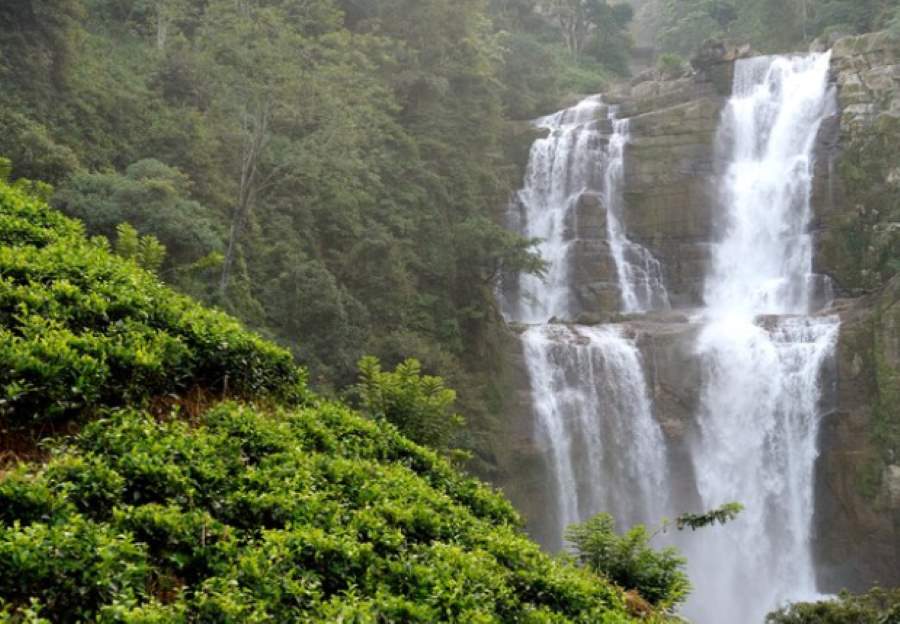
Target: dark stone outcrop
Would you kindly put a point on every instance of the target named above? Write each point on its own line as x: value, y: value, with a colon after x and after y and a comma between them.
x: 669, y: 169
x: 858, y: 473
x: 715, y: 62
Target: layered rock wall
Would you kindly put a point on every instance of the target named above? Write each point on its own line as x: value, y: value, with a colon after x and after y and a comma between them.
x: 857, y: 205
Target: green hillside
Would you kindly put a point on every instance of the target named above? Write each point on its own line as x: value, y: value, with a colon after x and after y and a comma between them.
x: 257, y: 502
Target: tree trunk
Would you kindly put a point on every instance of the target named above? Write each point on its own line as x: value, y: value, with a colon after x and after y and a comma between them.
x: 255, y: 130
x: 162, y: 28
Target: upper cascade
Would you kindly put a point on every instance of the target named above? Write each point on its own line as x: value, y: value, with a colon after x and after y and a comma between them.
x: 574, y: 173
x: 763, y: 263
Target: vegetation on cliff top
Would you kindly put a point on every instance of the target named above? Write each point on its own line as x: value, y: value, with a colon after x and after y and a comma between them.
x: 286, y: 507
x: 769, y: 25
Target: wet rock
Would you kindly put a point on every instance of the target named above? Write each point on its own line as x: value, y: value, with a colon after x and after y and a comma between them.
x: 669, y: 196
x: 715, y: 61
x: 858, y: 510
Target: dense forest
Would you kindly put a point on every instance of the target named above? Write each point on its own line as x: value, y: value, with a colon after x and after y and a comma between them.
x: 332, y: 164
x: 769, y: 25
x: 332, y: 176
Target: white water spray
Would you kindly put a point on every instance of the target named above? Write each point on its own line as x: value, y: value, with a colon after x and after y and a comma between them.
x: 591, y: 403
x: 640, y: 274
x: 760, y: 404
x: 576, y: 158
x: 763, y: 263
x: 561, y: 167
x: 590, y: 399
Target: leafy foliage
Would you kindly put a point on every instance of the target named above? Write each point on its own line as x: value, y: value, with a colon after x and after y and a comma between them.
x: 275, y: 148
x: 671, y: 65
x: 769, y: 25
x: 628, y: 561
x: 146, y: 251
x: 150, y: 197
x: 878, y: 606
x: 83, y: 329
x: 305, y: 515
x: 293, y: 508
x: 420, y: 406
x: 722, y: 515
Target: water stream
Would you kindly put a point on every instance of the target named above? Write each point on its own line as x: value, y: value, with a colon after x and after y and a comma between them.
x: 761, y: 352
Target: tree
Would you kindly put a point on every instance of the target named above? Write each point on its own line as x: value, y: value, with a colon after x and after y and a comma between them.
x: 628, y: 560
x: 575, y: 19
x: 152, y: 197
x: 38, y: 40
x: 247, y: 44
x: 595, y: 24
x: 420, y: 406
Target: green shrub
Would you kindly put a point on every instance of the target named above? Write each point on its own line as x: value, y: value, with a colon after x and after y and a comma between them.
x: 627, y: 560
x: 73, y: 566
x: 153, y: 198
x: 878, y: 606
x: 84, y: 329
x: 303, y: 515
x: 420, y: 406
x: 671, y: 66
x: 34, y: 151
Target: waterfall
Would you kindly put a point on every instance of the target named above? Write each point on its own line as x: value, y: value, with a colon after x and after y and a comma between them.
x: 761, y: 352
x: 589, y: 392
x: 759, y: 423
x: 761, y: 347
x: 763, y: 264
x: 591, y: 401
x: 639, y: 273
x: 561, y: 167
x: 577, y: 158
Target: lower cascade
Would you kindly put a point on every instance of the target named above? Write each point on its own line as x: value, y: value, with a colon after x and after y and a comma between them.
x: 758, y: 426
x: 763, y: 342
x: 591, y: 401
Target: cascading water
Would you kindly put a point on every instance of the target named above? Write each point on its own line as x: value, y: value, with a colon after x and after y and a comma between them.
x: 575, y: 158
x: 760, y: 403
x: 761, y: 346
x: 588, y: 388
x: 561, y: 167
x: 639, y: 273
x: 591, y: 401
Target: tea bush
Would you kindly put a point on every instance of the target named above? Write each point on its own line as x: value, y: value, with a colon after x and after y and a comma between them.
x: 878, y: 606
x: 311, y: 514
x: 81, y: 328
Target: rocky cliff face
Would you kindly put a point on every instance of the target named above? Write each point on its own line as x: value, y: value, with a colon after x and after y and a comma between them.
x: 858, y: 210
x: 669, y: 196
x: 858, y: 195
x: 858, y: 477
x: 670, y: 166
